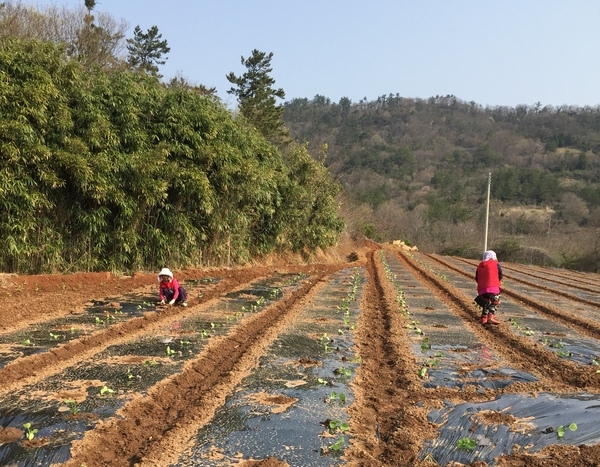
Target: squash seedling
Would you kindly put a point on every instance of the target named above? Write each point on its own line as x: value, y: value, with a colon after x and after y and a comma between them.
x: 334, y: 396
x: 105, y: 390
x: 466, y: 444
x: 337, y: 425
x: 338, y: 445
x: 560, y: 431
x: 343, y: 371
x: 323, y: 382
x: 29, y: 431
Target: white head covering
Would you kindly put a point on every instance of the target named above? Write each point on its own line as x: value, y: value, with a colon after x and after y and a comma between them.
x: 487, y: 255
x: 165, y: 272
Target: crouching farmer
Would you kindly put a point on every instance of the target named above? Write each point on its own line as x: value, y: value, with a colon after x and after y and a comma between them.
x: 170, y: 291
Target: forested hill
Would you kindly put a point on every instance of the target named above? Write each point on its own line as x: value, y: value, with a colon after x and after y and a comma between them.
x: 417, y: 169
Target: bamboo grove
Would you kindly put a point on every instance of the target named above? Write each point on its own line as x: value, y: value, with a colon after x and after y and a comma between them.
x: 116, y: 171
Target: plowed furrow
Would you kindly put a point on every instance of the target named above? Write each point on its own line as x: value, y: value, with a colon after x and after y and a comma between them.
x: 378, y: 434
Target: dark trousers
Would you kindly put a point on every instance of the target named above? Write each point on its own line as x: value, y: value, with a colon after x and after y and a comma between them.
x: 489, y: 302
x: 169, y: 295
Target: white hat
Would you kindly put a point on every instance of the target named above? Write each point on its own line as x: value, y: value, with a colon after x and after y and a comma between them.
x: 165, y: 272
x: 487, y: 255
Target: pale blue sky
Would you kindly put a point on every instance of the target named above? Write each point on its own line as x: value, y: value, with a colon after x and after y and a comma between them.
x: 493, y: 52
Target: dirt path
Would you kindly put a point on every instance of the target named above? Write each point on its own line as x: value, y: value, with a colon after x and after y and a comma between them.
x: 411, y: 305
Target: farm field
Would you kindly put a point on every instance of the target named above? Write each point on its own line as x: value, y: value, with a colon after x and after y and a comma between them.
x: 375, y: 362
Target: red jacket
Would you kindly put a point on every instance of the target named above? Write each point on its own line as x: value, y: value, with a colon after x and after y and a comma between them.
x: 488, y: 276
x: 172, y: 285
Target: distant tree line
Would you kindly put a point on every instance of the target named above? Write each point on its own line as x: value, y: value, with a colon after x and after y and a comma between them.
x: 417, y: 169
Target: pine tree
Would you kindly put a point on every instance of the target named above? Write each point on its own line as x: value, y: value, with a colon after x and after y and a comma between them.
x: 146, y: 50
x: 257, y: 96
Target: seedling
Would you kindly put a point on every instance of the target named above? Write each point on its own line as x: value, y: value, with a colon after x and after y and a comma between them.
x: 466, y: 444
x: 105, y: 390
x: 130, y: 375
x: 27, y: 342
x: 334, y: 396
x: 204, y: 333
x: 560, y: 431
x: 54, y: 336
x: 322, y: 382
x: 423, y: 372
x: 343, y: 371
x: 29, y: 432
x: 150, y: 363
x: 338, y: 445
x: 170, y: 351
x: 425, y: 345
x: 99, y: 321
x: 73, y: 406
x: 183, y: 343
x: 337, y: 425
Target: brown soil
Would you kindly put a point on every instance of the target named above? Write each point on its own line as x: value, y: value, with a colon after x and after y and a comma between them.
x: 389, y: 415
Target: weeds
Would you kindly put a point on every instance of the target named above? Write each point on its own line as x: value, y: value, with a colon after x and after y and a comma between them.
x: 73, y: 406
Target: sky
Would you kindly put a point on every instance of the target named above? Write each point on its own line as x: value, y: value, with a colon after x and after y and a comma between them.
x: 492, y: 52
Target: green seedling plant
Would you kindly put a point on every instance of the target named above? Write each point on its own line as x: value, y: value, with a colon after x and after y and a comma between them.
x: 423, y: 372
x: 425, y: 345
x: 129, y: 374
x: 29, y: 431
x: 106, y: 391
x: 203, y: 333
x: 561, y: 430
x: 337, y: 425
x: 322, y: 382
x: 54, y: 336
x: 338, y: 445
x: 73, y: 406
x: 170, y: 351
x: 342, y: 371
x: 334, y: 396
x: 27, y: 342
x: 466, y: 444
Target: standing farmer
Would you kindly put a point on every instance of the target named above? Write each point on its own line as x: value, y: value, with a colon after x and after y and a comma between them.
x: 489, y: 280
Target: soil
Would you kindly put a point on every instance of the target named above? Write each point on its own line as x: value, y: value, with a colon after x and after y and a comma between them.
x: 389, y: 414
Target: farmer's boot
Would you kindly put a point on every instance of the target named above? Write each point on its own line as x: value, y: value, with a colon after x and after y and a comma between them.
x: 492, y: 319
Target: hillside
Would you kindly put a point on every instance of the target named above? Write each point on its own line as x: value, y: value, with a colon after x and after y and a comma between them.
x: 417, y: 169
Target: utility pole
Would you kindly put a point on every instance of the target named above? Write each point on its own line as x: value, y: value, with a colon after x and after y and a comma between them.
x: 487, y: 211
